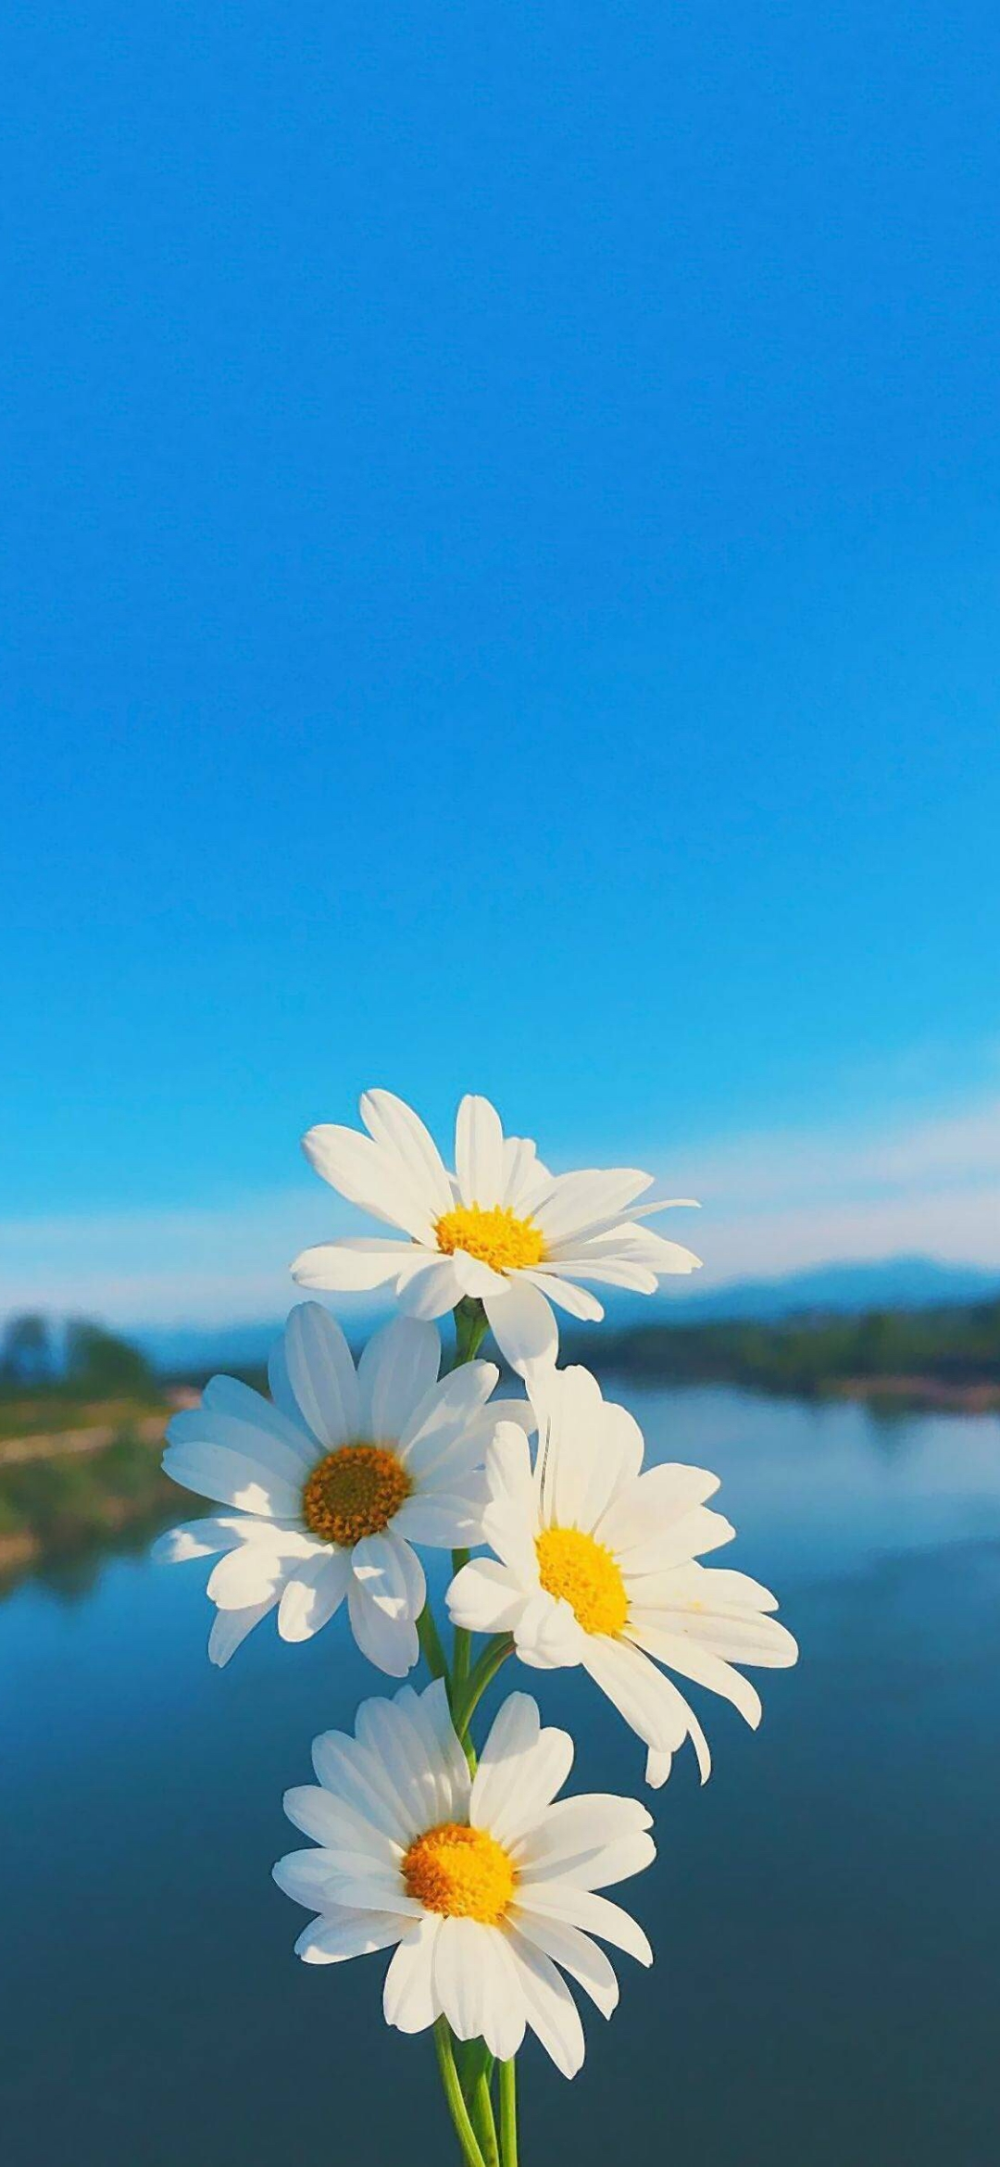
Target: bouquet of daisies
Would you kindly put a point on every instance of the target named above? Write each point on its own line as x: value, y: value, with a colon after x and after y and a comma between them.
x: 459, y: 1856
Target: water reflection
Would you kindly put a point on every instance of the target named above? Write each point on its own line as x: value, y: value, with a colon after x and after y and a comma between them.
x: 826, y: 1912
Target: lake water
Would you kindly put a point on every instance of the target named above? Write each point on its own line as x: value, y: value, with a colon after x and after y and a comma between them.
x: 826, y: 1913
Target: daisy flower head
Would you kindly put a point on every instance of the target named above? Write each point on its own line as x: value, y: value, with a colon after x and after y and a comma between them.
x: 332, y: 1480
x: 502, y: 1229
x: 484, y: 1888
x: 596, y: 1563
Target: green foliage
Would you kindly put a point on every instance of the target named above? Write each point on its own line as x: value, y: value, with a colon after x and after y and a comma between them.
x: 26, y: 1357
x: 956, y: 1345
x: 65, y: 1502
x: 99, y: 1364
x: 39, y: 1393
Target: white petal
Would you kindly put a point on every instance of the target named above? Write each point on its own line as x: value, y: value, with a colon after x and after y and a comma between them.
x: 477, y: 1279
x: 601, y: 1271
x: 525, y: 1179
x: 503, y: 2018
x: 541, y: 1773
x: 304, y: 1876
x: 445, y: 1520
x: 578, y: 1202
x: 484, y: 1597
x: 479, y: 1160
x: 577, y: 1954
x: 691, y: 1661
x: 513, y: 1539
x: 616, y: 1862
x: 510, y: 1520
x: 509, y: 1474
x: 549, y: 2006
x: 444, y: 1413
x: 657, y: 1499
x: 460, y: 1465
x: 658, y: 1765
x: 430, y: 1716
x: 230, y: 1628
x: 313, y: 1593
x: 644, y: 1548
x: 198, y: 1539
x: 721, y: 1589
x: 253, y: 1573
x: 570, y: 1836
x: 523, y: 1326
x: 408, y: 1999
x: 280, y: 1386
x: 350, y: 1933
x: 322, y: 1374
x: 398, y: 1742
x: 548, y: 1634
x: 352, y: 1265
x: 458, y: 1978
x: 574, y: 1429
x: 566, y: 1295
x: 390, y: 1643
x: 362, y: 1884
x: 431, y: 1291
x: 233, y: 1480
x: 506, y: 1754
x: 520, y: 1412
x: 444, y: 1459
x: 399, y: 1132
x: 338, y: 1827
x: 375, y: 1178
x: 664, y: 1203
x: 666, y: 1259
x: 398, y: 1367
x: 476, y: 1985
x: 753, y: 1638
x: 623, y: 1241
x: 639, y: 1691
x: 205, y: 1426
x: 390, y: 1574
x: 595, y: 1914
x: 351, y: 1773
x: 227, y: 1396
x: 615, y: 1465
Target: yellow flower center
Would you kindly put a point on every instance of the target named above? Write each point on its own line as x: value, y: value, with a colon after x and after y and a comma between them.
x: 354, y: 1492
x: 497, y: 1237
x: 461, y: 1871
x: 584, y: 1573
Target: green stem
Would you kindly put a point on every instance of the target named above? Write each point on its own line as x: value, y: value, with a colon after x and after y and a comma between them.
x: 466, y: 1684
x: 508, y: 2112
x: 471, y: 1324
x: 430, y: 1643
x: 454, y: 2095
x: 471, y: 1327
x: 467, y: 1697
x: 482, y: 2114
x: 462, y: 1644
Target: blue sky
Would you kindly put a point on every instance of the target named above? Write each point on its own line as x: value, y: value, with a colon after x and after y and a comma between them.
x: 501, y: 525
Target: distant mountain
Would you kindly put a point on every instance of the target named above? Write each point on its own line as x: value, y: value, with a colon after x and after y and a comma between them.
x: 892, y: 1283
x: 913, y: 1282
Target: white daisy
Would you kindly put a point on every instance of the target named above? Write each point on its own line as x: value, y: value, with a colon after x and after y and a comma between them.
x: 502, y: 1229
x: 334, y: 1479
x: 595, y: 1564
x: 480, y: 1883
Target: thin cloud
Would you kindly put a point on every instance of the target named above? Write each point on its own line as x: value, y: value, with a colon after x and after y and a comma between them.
x: 773, y: 1203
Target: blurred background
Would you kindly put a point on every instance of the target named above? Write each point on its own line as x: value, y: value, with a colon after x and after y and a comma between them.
x: 500, y: 593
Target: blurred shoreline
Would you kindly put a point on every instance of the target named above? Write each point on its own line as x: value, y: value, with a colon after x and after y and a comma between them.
x: 79, y: 1469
